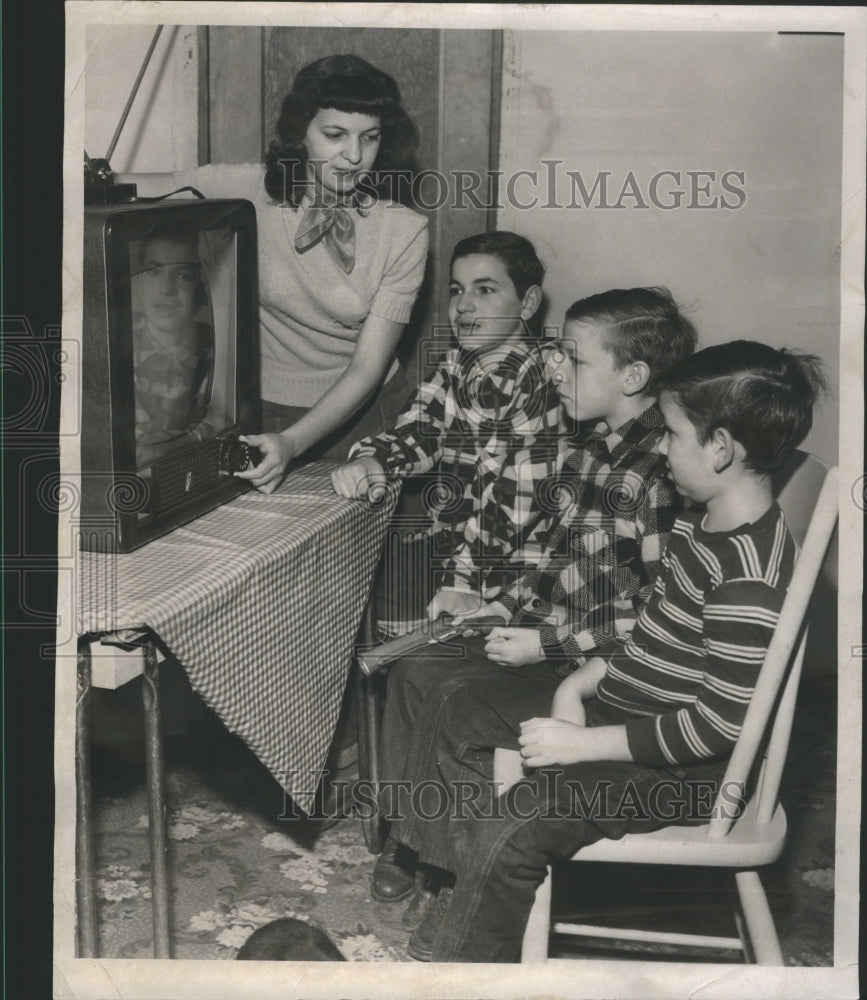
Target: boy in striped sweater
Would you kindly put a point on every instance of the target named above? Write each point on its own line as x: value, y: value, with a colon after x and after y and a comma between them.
x: 733, y: 413
x: 632, y: 733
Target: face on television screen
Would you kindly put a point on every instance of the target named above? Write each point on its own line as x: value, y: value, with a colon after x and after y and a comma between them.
x: 182, y: 286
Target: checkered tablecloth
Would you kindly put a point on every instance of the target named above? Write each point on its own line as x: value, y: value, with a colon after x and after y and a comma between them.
x: 260, y: 601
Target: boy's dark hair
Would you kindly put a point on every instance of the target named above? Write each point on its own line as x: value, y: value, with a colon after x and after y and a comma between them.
x: 643, y: 324
x: 517, y: 253
x: 762, y: 396
x: 345, y: 83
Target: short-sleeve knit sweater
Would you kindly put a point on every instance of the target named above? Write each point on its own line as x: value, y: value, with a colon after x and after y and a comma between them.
x: 310, y: 310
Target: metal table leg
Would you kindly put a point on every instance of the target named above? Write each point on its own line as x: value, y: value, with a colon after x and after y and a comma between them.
x: 156, y: 805
x: 85, y: 882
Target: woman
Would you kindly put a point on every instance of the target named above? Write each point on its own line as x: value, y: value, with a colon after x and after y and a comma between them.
x: 340, y: 265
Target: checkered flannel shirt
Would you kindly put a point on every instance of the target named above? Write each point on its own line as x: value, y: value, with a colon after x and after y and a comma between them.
x: 491, y: 426
x: 604, y: 550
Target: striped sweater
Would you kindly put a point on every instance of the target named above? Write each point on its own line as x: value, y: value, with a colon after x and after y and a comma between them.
x: 689, y: 667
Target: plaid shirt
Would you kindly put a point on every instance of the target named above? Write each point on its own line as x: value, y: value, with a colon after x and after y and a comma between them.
x: 491, y: 425
x: 605, y: 548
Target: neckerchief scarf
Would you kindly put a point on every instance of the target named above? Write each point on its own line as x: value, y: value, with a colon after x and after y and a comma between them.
x: 329, y: 217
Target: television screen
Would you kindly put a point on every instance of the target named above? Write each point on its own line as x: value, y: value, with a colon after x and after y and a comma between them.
x: 170, y: 360
x: 182, y: 392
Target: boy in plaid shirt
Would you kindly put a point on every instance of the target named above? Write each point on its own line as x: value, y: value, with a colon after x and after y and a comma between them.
x: 488, y: 421
x: 602, y: 549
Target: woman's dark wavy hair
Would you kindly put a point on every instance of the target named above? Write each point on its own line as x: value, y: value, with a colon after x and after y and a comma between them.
x: 351, y: 84
x: 762, y: 396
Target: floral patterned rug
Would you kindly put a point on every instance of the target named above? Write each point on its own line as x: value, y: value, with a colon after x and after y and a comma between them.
x: 237, y: 859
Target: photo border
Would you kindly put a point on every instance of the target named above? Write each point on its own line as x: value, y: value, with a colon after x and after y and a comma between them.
x: 102, y: 978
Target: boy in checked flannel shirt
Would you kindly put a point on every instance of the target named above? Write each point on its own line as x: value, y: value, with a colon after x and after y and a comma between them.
x: 639, y: 737
x: 488, y: 422
x: 602, y: 548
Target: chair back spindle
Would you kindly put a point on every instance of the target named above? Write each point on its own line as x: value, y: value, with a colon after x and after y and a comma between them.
x: 788, y: 632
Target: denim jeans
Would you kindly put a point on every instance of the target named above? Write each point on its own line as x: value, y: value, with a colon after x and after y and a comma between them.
x: 498, y: 849
x: 418, y: 686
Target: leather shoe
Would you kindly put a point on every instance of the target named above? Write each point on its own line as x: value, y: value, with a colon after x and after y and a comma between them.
x: 390, y: 880
x: 421, y: 901
x: 421, y: 942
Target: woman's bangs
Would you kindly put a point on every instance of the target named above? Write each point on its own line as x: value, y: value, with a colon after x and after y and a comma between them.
x: 377, y: 107
x: 356, y: 95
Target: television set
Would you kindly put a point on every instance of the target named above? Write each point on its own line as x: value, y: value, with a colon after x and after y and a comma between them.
x: 170, y: 366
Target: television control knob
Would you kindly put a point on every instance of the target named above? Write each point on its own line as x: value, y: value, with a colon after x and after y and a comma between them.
x: 237, y: 456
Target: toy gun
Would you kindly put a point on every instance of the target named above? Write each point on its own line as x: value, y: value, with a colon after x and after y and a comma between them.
x: 373, y: 660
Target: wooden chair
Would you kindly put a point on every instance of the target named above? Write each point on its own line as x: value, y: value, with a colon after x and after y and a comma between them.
x: 742, y: 843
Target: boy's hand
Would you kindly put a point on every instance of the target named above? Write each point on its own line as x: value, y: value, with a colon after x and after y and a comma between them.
x: 514, y: 647
x: 553, y: 741
x: 455, y: 602
x: 278, y: 450
x: 363, y: 478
